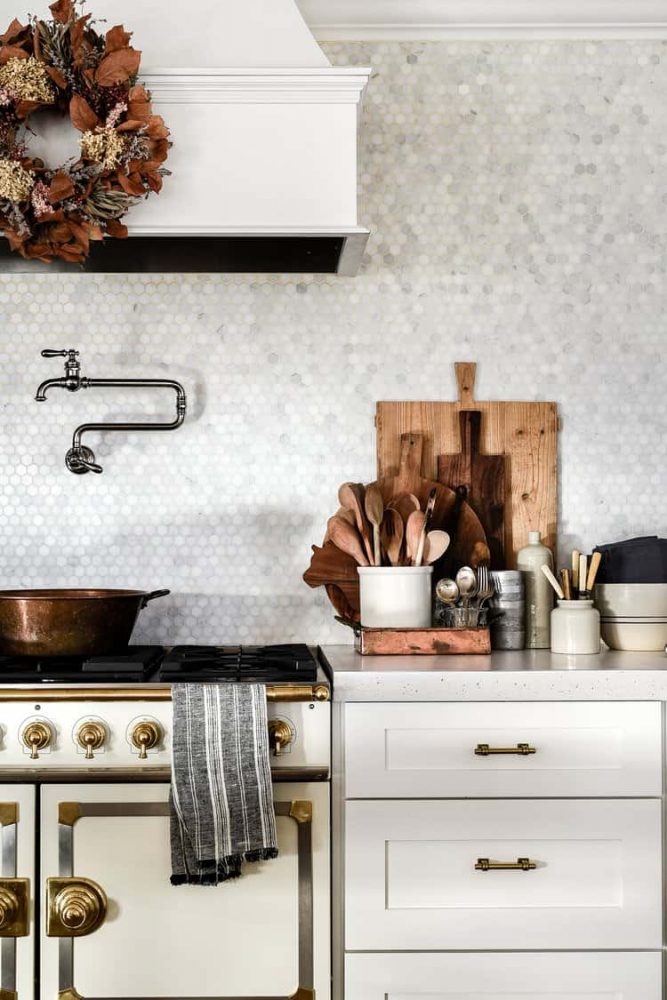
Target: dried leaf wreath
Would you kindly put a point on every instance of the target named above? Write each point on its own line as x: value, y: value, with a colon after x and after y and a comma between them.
x: 64, y: 64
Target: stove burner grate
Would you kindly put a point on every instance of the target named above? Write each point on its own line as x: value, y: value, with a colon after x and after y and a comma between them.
x: 293, y: 663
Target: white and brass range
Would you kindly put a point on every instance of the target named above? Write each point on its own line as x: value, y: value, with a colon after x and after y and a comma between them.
x: 84, y: 844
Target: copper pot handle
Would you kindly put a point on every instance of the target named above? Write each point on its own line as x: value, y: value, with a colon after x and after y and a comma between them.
x: 151, y: 597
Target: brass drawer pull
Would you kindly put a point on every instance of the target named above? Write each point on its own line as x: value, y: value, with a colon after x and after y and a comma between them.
x: 522, y: 749
x: 520, y: 865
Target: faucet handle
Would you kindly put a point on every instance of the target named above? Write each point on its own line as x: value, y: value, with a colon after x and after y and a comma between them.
x: 80, y: 460
x: 69, y: 353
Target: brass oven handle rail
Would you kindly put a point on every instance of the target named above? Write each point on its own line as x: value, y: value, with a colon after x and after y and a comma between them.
x: 521, y: 749
x: 274, y: 692
x: 520, y: 865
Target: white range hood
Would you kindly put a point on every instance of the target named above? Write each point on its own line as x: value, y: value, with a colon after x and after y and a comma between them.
x: 264, y: 129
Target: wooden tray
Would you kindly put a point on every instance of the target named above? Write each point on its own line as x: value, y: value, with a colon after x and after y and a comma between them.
x: 421, y: 641
x: 525, y: 432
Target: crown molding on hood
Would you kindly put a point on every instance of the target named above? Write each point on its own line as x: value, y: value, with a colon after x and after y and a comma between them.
x: 332, y: 20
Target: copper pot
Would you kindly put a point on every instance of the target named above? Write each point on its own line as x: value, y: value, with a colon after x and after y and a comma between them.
x: 69, y: 622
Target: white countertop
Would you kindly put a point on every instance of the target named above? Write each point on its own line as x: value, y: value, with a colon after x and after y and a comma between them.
x: 525, y: 675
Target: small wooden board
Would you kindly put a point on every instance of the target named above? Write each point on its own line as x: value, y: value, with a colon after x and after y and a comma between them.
x: 526, y: 433
x: 484, y: 478
x: 422, y: 641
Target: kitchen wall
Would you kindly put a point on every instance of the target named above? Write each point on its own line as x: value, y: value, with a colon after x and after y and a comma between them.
x: 517, y: 194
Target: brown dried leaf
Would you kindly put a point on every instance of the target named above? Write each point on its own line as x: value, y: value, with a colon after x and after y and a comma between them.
x: 139, y: 107
x: 131, y: 185
x: 117, y: 38
x: 8, y: 52
x: 154, y: 182
x: 25, y: 108
x: 80, y: 47
x: 118, y: 67
x: 157, y: 128
x: 82, y: 115
x: 130, y: 126
x: 14, y: 29
x: 57, y: 77
x: 62, y: 10
x: 117, y: 229
x: 61, y: 187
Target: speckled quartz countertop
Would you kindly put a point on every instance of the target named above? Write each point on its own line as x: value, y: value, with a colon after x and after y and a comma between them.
x: 528, y: 675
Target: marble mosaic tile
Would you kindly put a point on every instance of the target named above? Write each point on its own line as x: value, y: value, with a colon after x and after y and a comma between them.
x: 517, y: 195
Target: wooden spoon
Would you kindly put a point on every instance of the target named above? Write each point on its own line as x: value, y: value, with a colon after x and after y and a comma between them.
x: 351, y: 496
x: 392, y: 530
x: 437, y: 543
x: 346, y: 538
x: 404, y: 503
x: 413, y: 531
x: 374, y: 507
x: 347, y: 515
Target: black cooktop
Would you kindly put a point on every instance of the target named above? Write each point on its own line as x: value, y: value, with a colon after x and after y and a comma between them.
x: 289, y: 663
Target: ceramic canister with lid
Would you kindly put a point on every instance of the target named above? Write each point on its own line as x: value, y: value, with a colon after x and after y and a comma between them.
x: 575, y: 628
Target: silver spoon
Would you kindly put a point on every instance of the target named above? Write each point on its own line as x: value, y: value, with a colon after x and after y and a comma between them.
x: 447, y: 591
x: 466, y: 581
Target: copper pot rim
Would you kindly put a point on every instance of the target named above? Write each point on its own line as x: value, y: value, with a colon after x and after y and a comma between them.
x: 69, y: 594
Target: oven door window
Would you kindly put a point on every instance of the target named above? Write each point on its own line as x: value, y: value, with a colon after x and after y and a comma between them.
x: 119, y: 929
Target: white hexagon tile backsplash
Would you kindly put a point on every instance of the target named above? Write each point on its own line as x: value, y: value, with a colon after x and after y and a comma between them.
x: 517, y: 194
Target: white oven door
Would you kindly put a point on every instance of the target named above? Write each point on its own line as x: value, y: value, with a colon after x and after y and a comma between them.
x: 259, y: 937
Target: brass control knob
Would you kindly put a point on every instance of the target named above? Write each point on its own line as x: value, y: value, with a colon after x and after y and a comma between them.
x: 91, y: 736
x: 280, y: 736
x: 145, y: 735
x: 37, y: 736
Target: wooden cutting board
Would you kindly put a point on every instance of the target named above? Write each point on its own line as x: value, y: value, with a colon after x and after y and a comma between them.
x: 484, y: 478
x: 526, y: 433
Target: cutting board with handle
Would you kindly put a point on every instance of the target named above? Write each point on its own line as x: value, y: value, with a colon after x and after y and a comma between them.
x: 526, y: 433
x: 484, y: 478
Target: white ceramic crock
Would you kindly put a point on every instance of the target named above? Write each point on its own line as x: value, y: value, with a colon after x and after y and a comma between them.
x: 395, y: 596
x: 575, y: 628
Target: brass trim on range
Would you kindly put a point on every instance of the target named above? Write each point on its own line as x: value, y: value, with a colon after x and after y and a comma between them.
x: 76, y: 907
x: 274, y: 692
x: 520, y: 865
x: 8, y: 995
x: 8, y: 813
x: 14, y: 907
x: 299, y: 810
x: 522, y: 749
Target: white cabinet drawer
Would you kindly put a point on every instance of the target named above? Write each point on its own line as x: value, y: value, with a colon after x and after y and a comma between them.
x: 428, y: 750
x: 411, y: 881
x: 485, y: 977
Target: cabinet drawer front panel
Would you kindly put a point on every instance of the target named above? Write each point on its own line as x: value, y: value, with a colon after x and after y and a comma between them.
x: 428, y: 750
x: 411, y: 880
x: 500, y: 977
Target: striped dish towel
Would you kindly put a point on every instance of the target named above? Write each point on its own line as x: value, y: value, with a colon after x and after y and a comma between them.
x: 221, y: 798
